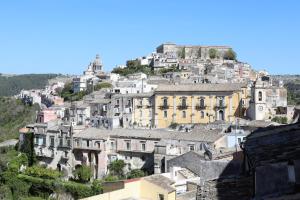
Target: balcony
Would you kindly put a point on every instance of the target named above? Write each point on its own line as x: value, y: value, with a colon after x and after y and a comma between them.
x: 45, y: 155
x: 200, y: 107
x: 163, y: 107
x: 220, y: 106
x: 182, y: 107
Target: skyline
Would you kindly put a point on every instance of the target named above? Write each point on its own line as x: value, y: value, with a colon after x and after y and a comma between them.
x: 63, y: 37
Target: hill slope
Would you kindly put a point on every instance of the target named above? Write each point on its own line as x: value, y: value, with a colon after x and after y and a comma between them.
x: 14, y: 115
x: 12, y: 85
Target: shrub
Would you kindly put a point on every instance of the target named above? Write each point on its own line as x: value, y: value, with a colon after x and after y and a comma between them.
x: 78, y: 190
x: 5, y: 192
x: 111, y: 178
x: 116, y: 168
x: 83, y: 173
x: 38, y: 171
x: 281, y: 120
x: 97, y: 187
x: 173, y: 125
x: 15, y: 164
x: 136, y: 173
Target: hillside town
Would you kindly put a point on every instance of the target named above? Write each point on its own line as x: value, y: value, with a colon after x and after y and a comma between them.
x: 196, y: 121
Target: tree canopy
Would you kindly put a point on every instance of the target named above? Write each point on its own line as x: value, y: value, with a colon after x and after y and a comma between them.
x: 230, y: 55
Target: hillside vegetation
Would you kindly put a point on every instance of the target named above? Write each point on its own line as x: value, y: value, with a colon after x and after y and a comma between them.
x: 14, y: 115
x: 12, y: 85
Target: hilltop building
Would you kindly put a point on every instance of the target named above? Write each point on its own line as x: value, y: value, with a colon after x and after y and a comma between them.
x: 190, y: 104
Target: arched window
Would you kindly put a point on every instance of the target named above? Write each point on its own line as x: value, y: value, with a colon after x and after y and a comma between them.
x: 259, y: 96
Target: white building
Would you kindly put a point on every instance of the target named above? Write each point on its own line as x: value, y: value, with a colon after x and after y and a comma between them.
x: 135, y: 83
x: 268, y: 100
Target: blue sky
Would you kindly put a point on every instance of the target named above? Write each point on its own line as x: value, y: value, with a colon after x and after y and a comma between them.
x: 61, y: 36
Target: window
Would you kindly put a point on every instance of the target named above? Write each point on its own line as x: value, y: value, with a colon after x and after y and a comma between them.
x: 221, y: 101
x: 202, y: 103
x: 52, y: 141
x: 183, y: 102
x: 112, y: 145
x: 141, y: 102
x: 165, y: 102
x: 202, y: 114
x: 165, y: 114
x: 143, y: 146
x: 183, y: 114
x: 259, y: 96
x: 61, y: 142
x: 117, y: 102
x: 192, y: 147
x: 161, y: 197
x: 87, y: 143
x: 69, y: 143
x: 291, y: 172
x: 128, y: 145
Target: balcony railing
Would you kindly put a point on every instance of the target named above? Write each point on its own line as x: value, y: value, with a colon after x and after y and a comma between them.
x: 182, y: 107
x: 200, y: 107
x: 163, y: 107
x: 220, y: 106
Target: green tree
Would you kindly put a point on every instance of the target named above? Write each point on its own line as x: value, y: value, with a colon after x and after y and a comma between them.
x: 100, y: 86
x: 280, y: 120
x: 116, y: 168
x: 230, y: 55
x: 28, y: 148
x: 136, y: 173
x: 83, y: 174
x: 212, y: 53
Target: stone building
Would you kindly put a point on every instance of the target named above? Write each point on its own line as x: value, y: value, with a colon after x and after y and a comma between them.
x: 182, y: 142
x: 272, y: 158
x: 53, y: 145
x: 142, y: 110
x: 270, y: 168
x: 197, y: 103
x: 98, y: 147
x: 192, y: 51
x: 268, y: 99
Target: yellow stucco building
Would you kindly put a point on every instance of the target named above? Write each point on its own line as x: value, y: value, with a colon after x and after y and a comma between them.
x: 142, y: 109
x: 197, y: 103
x: 154, y: 187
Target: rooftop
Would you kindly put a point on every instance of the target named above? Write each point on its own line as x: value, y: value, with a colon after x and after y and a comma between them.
x: 161, y: 181
x: 226, y: 87
x: 195, y: 135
